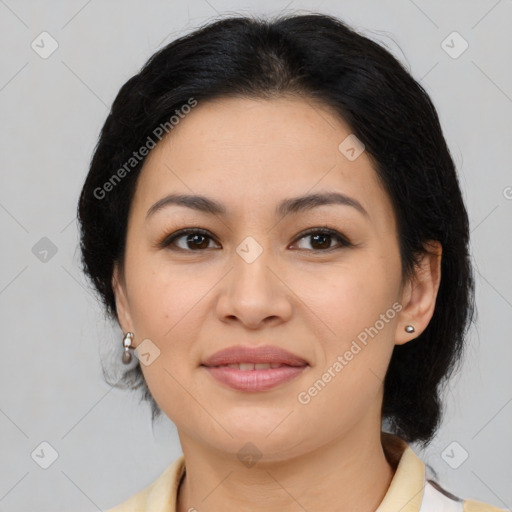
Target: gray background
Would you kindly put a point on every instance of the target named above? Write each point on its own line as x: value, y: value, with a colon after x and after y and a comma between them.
x: 53, y: 330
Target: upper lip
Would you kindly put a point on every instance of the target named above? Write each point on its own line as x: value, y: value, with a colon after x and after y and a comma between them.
x: 262, y: 354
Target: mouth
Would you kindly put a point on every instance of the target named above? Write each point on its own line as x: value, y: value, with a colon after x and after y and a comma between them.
x: 254, y: 366
x: 247, y: 368
x: 243, y: 356
x: 254, y: 377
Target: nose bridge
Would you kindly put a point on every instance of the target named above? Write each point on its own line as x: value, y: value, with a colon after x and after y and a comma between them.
x: 251, y: 263
x: 253, y: 293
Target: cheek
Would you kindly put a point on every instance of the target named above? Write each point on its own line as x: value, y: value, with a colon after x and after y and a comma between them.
x: 347, y: 300
x: 356, y: 310
x: 349, y: 377
x: 161, y: 294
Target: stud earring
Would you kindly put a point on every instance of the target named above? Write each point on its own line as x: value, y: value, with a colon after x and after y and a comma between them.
x: 409, y: 328
x: 127, y: 342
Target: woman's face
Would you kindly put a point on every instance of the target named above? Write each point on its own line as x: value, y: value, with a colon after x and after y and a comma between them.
x: 254, y: 277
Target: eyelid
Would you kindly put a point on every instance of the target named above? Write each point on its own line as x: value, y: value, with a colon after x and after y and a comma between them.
x: 334, y: 233
x: 168, y: 239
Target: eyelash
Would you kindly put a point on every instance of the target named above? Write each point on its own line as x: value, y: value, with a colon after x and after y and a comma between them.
x: 170, y: 239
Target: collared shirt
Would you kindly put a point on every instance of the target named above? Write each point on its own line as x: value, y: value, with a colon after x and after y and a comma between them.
x: 409, y: 491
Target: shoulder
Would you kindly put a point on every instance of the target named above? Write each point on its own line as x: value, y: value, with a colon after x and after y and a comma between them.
x: 136, y: 503
x: 157, y: 496
x: 478, y: 506
x: 435, y: 498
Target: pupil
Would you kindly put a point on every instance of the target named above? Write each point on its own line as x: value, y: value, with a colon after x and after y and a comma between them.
x: 324, y: 237
x: 194, y: 239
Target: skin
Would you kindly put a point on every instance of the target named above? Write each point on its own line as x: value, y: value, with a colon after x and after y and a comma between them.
x: 298, y: 294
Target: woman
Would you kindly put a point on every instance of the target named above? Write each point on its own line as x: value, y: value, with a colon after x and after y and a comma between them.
x: 273, y: 217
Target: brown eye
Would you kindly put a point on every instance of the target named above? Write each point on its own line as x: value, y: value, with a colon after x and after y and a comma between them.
x: 193, y: 240
x: 321, y: 239
x: 197, y: 239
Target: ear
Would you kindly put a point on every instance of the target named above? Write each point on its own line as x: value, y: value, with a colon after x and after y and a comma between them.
x: 122, y: 304
x: 419, y: 294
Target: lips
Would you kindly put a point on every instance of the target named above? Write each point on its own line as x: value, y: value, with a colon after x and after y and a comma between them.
x: 254, y: 369
x: 251, y: 366
x: 254, y: 380
x: 246, y: 358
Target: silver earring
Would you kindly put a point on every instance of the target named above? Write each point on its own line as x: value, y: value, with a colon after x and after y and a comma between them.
x: 409, y: 328
x: 127, y: 342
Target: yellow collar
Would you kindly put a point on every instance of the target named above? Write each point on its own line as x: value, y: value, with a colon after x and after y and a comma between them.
x: 405, y: 494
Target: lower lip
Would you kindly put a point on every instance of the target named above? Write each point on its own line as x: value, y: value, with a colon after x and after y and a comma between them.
x: 254, y: 380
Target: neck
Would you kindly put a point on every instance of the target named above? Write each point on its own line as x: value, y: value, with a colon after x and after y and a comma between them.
x: 351, y: 472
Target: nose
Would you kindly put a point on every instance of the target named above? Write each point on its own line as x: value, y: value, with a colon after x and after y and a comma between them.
x: 253, y: 292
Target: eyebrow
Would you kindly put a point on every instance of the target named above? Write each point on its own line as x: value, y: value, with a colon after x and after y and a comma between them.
x: 285, y: 207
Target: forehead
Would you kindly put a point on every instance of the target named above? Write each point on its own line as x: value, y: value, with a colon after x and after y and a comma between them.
x: 251, y: 153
